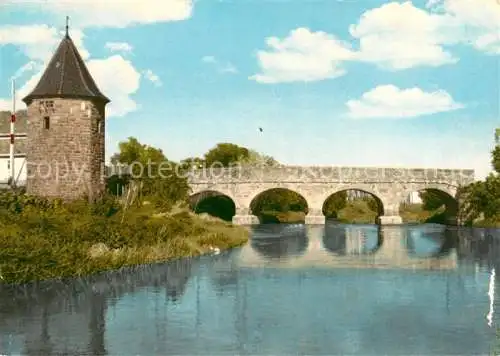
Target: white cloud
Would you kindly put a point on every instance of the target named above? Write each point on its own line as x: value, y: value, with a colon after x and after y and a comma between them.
x: 479, y: 19
x: 115, y: 76
x: 111, y: 145
x: 118, y: 79
x: 302, y: 56
x: 394, y: 36
x: 222, y: 68
x: 111, y: 13
x: 152, y: 77
x: 27, y: 68
x: 400, y: 36
x: 119, y: 47
x: 389, y: 101
x: 38, y: 42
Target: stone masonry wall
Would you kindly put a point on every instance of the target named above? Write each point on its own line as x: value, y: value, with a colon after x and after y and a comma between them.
x: 97, y: 158
x: 62, y: 161
x: 317, y: 184
x: 317, y: 174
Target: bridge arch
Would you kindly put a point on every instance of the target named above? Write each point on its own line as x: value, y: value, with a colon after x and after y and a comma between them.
x: 213, y: 202
x: 333, y: 202
x: 281, y: 199
x: 440, y: 195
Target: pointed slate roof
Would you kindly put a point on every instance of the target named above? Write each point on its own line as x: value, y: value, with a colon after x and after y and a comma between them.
x: 66, y: 76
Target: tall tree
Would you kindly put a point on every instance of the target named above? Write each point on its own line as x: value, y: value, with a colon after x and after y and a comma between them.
x: 132, y: 152
x: 192, y: 162
x: 334, y: 204
x: 430, y: 200
x: 164, y: 187
x: 495, y: 159
x: 255, y: 158
x: 278, y: 199
x: 225, y: 154
x: 483, y: 198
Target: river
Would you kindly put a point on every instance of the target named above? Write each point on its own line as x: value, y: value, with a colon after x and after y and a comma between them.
x: 316, y: 290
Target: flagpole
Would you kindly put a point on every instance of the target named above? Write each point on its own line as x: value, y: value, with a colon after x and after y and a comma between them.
x: 12, y: 134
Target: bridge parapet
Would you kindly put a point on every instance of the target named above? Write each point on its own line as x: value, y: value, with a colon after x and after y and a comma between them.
x: 328, y: 174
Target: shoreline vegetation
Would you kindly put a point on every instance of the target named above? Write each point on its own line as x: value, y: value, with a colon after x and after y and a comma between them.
x: 43, y: 239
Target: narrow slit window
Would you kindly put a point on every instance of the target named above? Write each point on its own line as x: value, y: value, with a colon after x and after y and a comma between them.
x: 99, y: 126
x: 46, y: 122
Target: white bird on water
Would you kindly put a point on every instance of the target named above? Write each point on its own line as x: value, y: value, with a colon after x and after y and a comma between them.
x: 214, y: 250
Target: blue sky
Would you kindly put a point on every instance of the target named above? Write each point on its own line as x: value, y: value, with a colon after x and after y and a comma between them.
x: 353, y: 82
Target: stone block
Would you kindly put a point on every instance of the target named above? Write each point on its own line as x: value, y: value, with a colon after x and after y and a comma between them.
x: 245, y: 220
x: 390, y: 220
x: 315, y: 220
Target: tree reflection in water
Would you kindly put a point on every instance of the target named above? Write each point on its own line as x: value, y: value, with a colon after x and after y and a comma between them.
x: 176, y: 279
x: 277, y: 241
x: 481, y: 246
x: 224, y: 272
x: 69, y: 317
x: 431, y: 240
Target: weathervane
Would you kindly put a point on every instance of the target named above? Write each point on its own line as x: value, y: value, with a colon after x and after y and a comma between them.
x: 67, y: 26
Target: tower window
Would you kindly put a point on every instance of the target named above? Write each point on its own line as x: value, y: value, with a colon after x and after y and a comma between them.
x: 99, y: 126
x: 46, y: 122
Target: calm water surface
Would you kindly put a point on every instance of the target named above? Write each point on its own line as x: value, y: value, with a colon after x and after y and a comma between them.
x: 334, y: 289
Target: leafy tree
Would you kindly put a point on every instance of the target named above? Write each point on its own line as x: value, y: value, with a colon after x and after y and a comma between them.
x: 482, y: 199
x: 372, y: 203
x: 495, y: 159
x: 132, y: 150
x: 430, y: 200
x: 139, y: 156
x: 334, y: 204
x: 226, y: 154
x: 278, y: 200
x: 192, y: 162
x: 150, y: 168
x: 255, y: 158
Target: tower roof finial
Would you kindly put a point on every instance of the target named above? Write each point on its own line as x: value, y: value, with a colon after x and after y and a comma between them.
x: 66, y: 76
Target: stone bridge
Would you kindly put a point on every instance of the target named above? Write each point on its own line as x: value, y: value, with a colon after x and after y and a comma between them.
x: 390, y: 186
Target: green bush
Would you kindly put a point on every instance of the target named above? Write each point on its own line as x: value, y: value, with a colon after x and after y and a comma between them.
x: 42, y: 238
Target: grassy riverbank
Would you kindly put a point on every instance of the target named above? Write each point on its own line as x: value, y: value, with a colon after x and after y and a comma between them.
x: 41, y: 240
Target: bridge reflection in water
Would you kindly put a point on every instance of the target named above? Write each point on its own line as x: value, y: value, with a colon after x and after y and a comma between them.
x: 348, y: 246
x: 215, y: 305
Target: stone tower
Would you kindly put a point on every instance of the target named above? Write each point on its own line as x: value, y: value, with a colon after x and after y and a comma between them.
x: 65, y: 129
